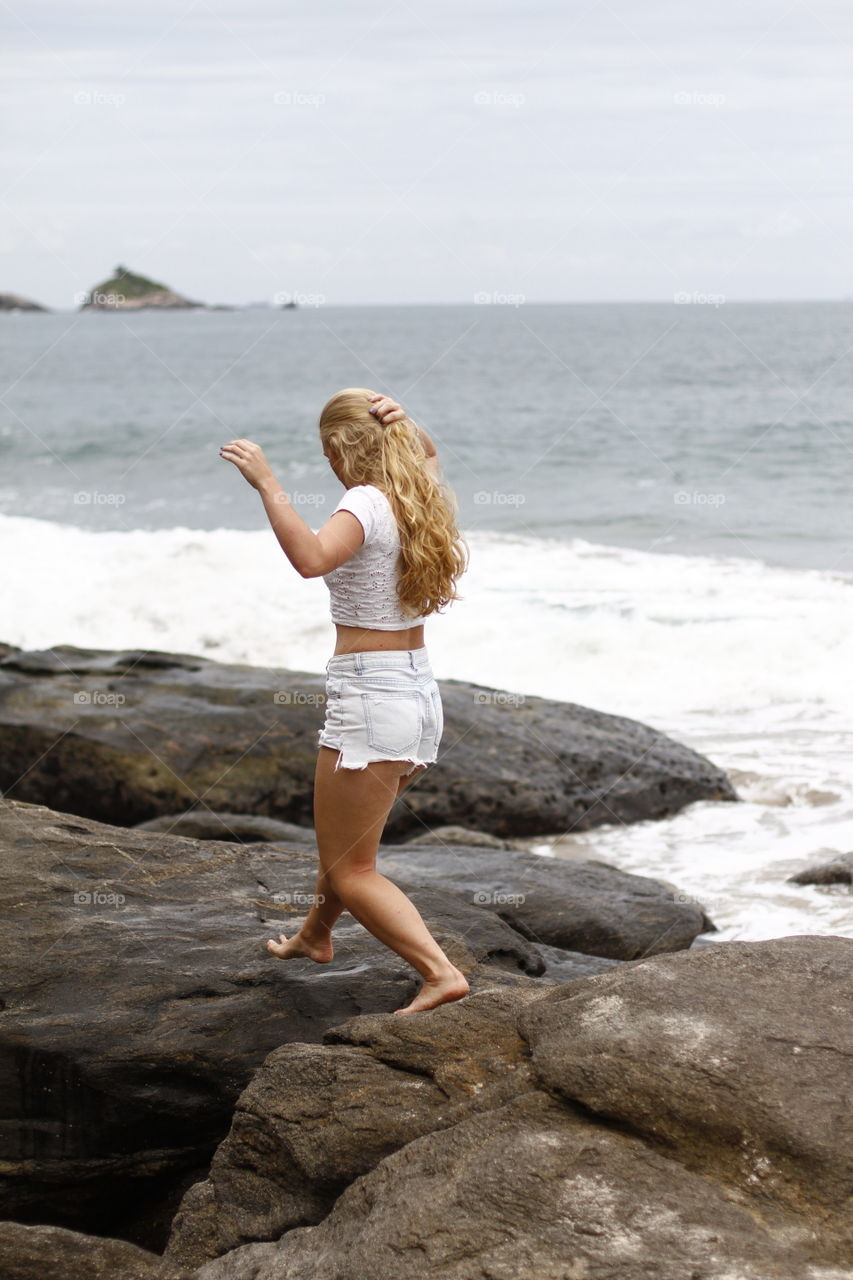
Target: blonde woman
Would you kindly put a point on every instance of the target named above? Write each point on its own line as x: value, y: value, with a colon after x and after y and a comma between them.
x: 390, y: 554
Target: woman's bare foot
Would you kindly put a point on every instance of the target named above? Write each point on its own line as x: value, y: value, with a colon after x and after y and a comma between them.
x: 436, y: 991
x: 287, y: 948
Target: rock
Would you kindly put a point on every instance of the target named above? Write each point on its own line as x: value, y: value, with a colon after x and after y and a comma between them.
x: 680, y: 1116
x: 128, y: 291
x: 244, y: 828
x: 461, y: 835
x: 660, y: 1128
x: 837, y: 871
x: 736, y: 1060
x: 313, y: 1119
x: 243, y: 1262
x: 53, y: 1253
x: 124, y: 737
x: 578, y: 906
x: 525, y: 1192
x: 567, y: 966
x: 484, y: 936
x: 145, y: 998
x: 14, y: 302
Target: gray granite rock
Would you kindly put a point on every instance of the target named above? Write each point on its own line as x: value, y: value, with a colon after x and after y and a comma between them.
x: 527, y: 1191
x: 139, y: 998
x: 578, y: 906
x: 315, y: 1118
x: 128, y: 736
x: 736, y: 1060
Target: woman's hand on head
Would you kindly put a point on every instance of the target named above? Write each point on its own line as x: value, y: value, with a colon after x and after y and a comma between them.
x: 386, y: 410
x: 249, y: 460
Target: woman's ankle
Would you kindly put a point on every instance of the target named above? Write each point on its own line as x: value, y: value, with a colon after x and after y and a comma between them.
x: 315, y: 937
x: 440, y: 971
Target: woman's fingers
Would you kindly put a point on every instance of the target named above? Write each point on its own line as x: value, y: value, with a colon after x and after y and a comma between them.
x: 240, y: 446
x: 386, y: 409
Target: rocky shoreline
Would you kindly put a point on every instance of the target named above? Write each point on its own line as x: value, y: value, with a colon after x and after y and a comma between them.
x: 620, y: 1095
x: 128, y: 736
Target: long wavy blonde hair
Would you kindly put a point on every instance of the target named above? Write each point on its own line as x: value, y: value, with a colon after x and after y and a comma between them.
x: 433, y: 554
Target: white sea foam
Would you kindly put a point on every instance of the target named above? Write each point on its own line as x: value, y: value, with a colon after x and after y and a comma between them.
x: 746, y: 663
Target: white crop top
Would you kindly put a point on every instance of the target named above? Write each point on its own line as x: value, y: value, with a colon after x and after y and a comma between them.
x: 364, y: 588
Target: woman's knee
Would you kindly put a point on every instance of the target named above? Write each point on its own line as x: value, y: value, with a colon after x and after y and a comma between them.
x: 348, y: 875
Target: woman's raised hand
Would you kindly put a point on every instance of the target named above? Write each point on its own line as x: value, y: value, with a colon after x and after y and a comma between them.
x: 249, y: 460
x: 386, y: 410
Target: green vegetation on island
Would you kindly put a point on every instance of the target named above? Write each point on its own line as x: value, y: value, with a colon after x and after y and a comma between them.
x: 128, y: 291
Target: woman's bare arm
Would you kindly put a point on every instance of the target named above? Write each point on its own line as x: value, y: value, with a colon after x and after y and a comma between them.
x: 311, y: 554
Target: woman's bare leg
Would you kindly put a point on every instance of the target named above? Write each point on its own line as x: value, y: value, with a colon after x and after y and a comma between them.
x: 350, y: 810
x: 314, y: 938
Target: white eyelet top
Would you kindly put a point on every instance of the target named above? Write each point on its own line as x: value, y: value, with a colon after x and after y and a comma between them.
x: 364, y: 588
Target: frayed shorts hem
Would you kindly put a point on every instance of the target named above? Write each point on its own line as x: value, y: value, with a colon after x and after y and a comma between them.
x: 347, y: 763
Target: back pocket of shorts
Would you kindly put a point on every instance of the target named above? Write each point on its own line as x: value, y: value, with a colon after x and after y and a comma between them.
x: 392, y: 721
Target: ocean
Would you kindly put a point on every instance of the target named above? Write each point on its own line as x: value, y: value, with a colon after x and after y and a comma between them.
x: 656, y: 498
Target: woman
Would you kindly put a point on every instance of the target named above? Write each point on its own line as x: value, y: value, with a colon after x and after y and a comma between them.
x: 390, y: 554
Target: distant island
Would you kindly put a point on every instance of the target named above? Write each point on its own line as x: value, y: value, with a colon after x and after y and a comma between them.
x: 127, y: 291
x: 14, y: 302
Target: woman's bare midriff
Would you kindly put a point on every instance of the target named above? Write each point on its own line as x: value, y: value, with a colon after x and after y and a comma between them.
x: 360, y: 639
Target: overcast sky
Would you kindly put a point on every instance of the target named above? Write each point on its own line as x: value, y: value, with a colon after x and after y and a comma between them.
x: 441, y: 152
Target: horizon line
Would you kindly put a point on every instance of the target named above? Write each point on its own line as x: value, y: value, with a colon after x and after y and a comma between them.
x: 698, y: 299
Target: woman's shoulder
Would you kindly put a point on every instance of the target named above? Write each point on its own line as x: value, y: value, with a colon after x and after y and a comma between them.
x: 371, y: 491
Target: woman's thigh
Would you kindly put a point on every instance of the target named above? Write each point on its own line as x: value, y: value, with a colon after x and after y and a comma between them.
x: 350, y: 809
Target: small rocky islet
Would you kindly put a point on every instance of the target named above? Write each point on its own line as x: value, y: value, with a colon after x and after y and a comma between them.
x: 619, y: 1095
x: 127, y: 290
x: 14, y: 302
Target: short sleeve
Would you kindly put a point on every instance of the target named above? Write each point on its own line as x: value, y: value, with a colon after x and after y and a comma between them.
x: 361, y: 503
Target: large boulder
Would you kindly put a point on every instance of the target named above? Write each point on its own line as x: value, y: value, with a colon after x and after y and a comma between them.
x: 314, y: 1119
x: 578, y: 906
x: 145, y: 998
x: 736, y: 1060
x: 140, y: 998
x: 124, y: 737
x: 525, y: 1192
x: 684, y: 1115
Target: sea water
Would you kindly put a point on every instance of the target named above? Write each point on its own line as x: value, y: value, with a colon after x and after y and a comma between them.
x: 656, y: 501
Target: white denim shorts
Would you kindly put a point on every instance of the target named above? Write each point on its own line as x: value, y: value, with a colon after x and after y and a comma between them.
x: 382, y: 705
